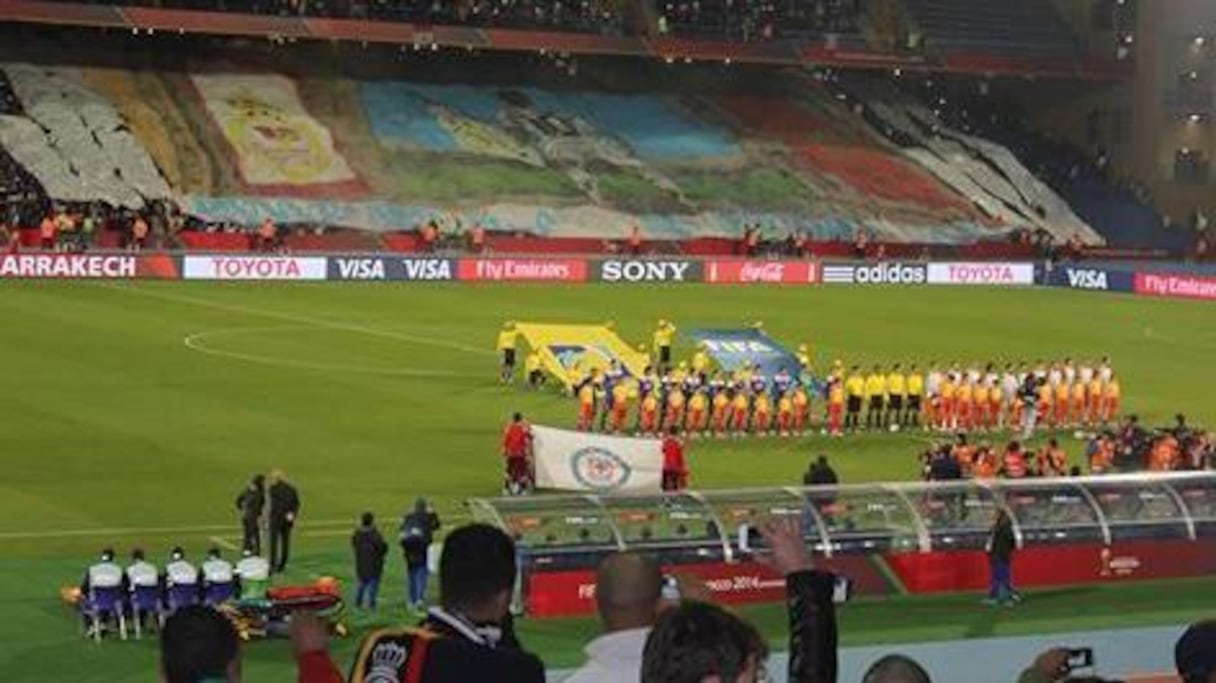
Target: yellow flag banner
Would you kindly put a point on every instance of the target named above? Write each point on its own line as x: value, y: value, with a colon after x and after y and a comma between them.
x: 567, y: 351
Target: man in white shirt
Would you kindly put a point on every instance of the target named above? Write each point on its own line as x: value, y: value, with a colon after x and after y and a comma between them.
x: 628, y: 591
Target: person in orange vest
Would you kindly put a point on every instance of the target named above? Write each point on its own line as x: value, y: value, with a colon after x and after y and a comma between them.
x: 1079, y: 418
x: 762, y: 413
x: 676, y: 403
x: 47, y: 232
x: 430, y: 235
x: 586, y: 405
x: 635, y: 240
x: 139, y: 233
x: 740, y: 407
x: 267, y: 234
x: 477, y: 238
x: 1101, y: 455
x: 1052, y: 461
x: 983, y: 463
x: 1060, y: 414
x: 1014, y: 462
x: 648, y: 421
x: 802, y: 409
x: 620, y: 407
x: 721, y: 412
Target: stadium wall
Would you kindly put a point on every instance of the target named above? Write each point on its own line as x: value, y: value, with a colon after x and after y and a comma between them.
x: 1174, y: 280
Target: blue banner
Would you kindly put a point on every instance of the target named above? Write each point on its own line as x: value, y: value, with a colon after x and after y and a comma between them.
x: 1095, y: 279
x: 733, y: 349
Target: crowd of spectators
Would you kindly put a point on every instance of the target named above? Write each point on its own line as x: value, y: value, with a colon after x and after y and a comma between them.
x: 757, y: 20
x: 652, y: 631
x: 586, y: 16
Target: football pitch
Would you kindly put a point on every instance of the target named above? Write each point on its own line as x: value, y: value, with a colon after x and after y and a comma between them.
x: 134, y: 412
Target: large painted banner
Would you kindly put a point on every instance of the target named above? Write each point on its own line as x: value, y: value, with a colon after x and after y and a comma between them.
x: 578, y: 461
x: 735, y: 349
x: 564, y: 348
x: 279, y: 146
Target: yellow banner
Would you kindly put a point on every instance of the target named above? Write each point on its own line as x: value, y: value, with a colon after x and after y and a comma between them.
x: 569, y: 350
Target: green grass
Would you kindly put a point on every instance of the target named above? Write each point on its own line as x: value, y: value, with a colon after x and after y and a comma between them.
x: 112, y: 422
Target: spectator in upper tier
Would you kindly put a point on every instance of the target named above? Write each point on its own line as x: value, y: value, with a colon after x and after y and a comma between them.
x: 628, y: 590
x: 370, y: 549
x: 268, y: 235
x: 198, y: 644
x: 469, y: 638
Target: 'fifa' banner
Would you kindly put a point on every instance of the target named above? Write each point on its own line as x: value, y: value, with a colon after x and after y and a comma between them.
x: 577, y: 461
x: 735, y: 349
x: 566, y: 350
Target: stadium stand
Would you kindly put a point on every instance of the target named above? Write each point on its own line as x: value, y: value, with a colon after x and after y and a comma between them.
x: 749, y: 20
x: 1025, y: 27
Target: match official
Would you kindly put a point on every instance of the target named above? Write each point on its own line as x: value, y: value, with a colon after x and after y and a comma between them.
x: 506, y: 346
x: 251, y: 502
x: 284, y: 507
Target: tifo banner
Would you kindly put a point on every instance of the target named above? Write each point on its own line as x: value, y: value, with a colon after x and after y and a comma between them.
x: 876, y: 274
x: 647, y: 270
x: 253, y: 268
x: 981, y: 273
x: 564, y: 348
x: 277, y: 143
x: 1095, y: 279
x: 524, y: 269
x: 387, y: 268
x: 1176, y: 286
x: 739, y: 271
x: 578, y: 461
x: 734, y: 349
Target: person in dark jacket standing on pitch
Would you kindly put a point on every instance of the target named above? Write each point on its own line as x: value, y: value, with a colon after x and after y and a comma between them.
x: 820, y: 473
x: 1000, y: 546
x: 370, y: 549
x: 284, y: 507
x: 251, y: 503
x: 417, y: 533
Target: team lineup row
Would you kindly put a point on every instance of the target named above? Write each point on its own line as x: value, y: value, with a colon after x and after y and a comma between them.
x: 698, y: 399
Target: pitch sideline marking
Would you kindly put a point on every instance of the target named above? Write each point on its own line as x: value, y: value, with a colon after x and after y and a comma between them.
x: 223, y: 543
x: 194, y: 343
x: 300, y: 319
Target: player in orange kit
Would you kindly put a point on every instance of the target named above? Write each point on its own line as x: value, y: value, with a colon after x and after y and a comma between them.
x: 721, y: 412
x: 980, y: 411
x: 1095, y: 396
x: 648, y: 414
x: 1110, y: 400
x: 1078, y: 416
x: 586, y: 405
x: 785, y: 413
x: 1044, y: 403
x: 739, y: 411
x: 620, y: 407
x: 1060, y: 414
x: 676, y: 403
x: 762, y: 413
x: 698, y: 406
x: 946, y: 418
x: 963, y: 405
x: 802, y: 409
x: 835, y: 408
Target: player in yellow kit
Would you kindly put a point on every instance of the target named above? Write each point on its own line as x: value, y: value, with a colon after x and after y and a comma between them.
x: 897, y: 387
x: 664, y: 332
x: 876, y: 394
x: 916, y: 396
x: 506, y: 347
x: 855, y: 390
x: 700, y: 363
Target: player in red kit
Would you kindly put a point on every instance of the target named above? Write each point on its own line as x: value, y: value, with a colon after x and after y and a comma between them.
x: 675, y: 470
x: 517, y: 450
